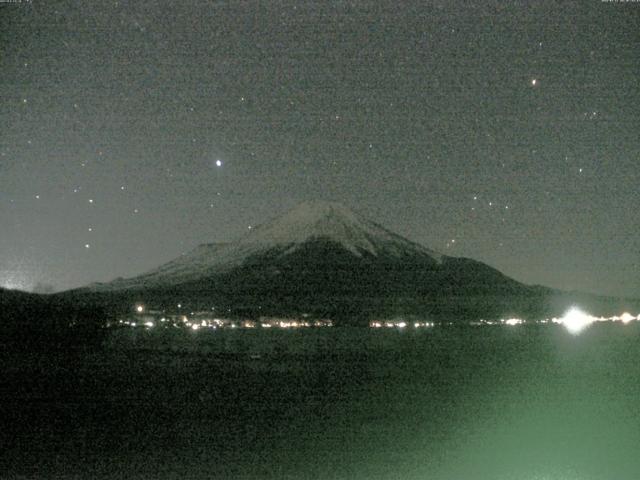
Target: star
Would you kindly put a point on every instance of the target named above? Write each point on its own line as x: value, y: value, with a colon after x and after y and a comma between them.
x: 534, y: 82
x: 218, y: 163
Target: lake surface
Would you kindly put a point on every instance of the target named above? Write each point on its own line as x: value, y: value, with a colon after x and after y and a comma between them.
x: 450, y: 403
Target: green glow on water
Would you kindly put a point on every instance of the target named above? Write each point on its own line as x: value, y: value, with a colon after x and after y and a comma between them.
x: 512, y: 403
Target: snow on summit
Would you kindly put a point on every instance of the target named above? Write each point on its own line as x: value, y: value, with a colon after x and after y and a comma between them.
x: 335, y: 222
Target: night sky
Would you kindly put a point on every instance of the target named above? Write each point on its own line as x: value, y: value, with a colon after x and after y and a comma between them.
x: 508, y: 132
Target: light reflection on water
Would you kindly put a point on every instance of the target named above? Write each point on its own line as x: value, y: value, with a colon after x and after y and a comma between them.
x: 564, y: 409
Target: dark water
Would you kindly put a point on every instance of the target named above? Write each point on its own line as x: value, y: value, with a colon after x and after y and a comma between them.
x: 530, y: 403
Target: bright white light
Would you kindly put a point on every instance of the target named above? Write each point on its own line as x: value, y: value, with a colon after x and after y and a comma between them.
x: 513, y: 321
x: 139, y: 309
x: 195, y: 326
x: 218, y: 163
x: 402, y: 325
x: 149, y: 324
x: 626, y: 317
x: 575, y: 320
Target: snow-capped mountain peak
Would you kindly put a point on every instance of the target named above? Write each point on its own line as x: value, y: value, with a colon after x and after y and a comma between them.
x: 311, y: 221
x: 334, y: 222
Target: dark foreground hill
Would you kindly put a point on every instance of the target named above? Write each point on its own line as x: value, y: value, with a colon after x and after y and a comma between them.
x: 35, y: 322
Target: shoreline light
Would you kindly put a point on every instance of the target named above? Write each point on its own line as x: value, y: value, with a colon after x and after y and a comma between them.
x: 575, y: 320
x: 626, y: 317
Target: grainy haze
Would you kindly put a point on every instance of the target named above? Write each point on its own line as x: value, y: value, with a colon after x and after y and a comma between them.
x: 502, y: 131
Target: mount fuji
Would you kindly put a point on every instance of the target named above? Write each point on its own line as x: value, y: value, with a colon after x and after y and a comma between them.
x: 322, y: 259
x: 309, y: 225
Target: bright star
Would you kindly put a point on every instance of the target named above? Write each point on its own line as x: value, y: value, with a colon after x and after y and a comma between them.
x: 218, y: 163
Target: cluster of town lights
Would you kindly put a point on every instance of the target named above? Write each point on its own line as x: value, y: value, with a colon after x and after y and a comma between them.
x: 574, y: 320
x: 399, y: 324
x: 143, y: 317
